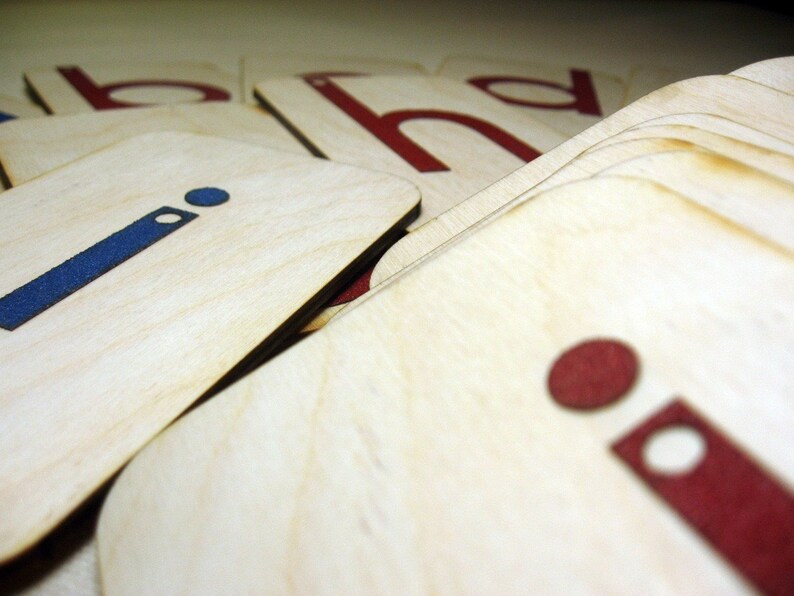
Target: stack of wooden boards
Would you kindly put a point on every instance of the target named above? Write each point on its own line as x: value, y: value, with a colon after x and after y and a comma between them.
x: 573, y: 380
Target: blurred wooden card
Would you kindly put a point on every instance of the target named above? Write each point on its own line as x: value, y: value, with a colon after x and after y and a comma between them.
x: 75, y: 88
x: 260, y: 67
x: 742, y: 101
x: 777, y: 73
x: 11, y: 109
x: 605, y: 408
x: 447, y: 137
x: 759, y: 202
x: 720, y: 125
x: 137, y: 279
x: 568, y: 99
x: 776, y: 157
x: 30, y: 148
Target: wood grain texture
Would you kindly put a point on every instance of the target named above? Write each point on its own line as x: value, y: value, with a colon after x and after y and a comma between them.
x: 412, y: 445
x: 470, y: 161
x: 732, y: 98
x: 64, y: 562
x: 722, y: 126
x: 545, y: 91
x: 717, y: 177
x: 89, y: 380
x: 777, y: 73
x: 273, y: 65
x: 53, y: 32
x: 757, y: 202
x: 60, y: 96
x: 760, y: 203
x: 767, y: 160
x: 646, y: 139
x: 32, y: 148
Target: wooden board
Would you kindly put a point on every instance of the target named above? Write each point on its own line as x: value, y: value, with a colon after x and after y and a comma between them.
x: 445, y: 136
x: 64, y: 562
x: 759, y: 203
x: 11, y: 109
x: 721, y: 126
x: 757, y: 194
x: 56, y: 32
x: 112, y: 324
x: 75, y: 88
x: 569, y: 99
x: 766, y: 160
x: 643, y: 80
x: 752, y: 199
x: 261, y: 67
x: 777, y: 73
x: 742, y: 101
x: 31, y: 148
x: 456, y: 449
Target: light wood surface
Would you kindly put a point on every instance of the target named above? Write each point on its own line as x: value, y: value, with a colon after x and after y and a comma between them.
x: 733, y: 98
x: 609, y: 36
x: 87, y: 381
x: 544, y: 91
x: 465, y: 159
x: 655, y: 136
x: 777, y: 73
x: 30, y: 148
x: 412, y: 446
x: 762, y: 158
x: 758, y: 202
x: 721, y: 126
x: 270, y: 65
x: 19, y: 109
x: 61, y: 96
x: 470, y: 161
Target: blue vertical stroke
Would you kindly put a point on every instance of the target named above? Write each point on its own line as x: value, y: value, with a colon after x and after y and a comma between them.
x: 38, y: 295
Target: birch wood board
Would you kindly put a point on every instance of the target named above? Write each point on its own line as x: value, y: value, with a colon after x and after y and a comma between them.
x: 636, y: 142
x: 55, y: 32
x: 721, y: 126
x: 777, y: 73
x: 11, y: 108
x: 258, y: 68
x: 398, y: 125
x: 762, y: 204
x: 733, y: 98
x: 30, y: 148
x: 771, y: 162
x: 63, y: 563
x: 756, y: 201
x: 76, y: 88
x: 439, y: 455
x: 750, y: 197
x: 705, y: 180
x: 568, y: 99
x: 402, y: 125
x: 93, y: 371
